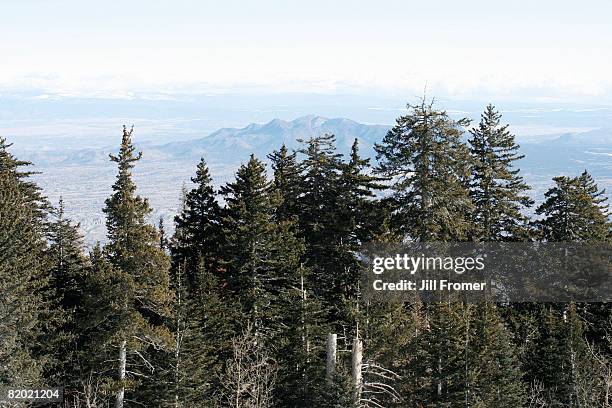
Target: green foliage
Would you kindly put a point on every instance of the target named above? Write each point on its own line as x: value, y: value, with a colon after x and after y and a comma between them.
x: 442, y: 363
x: 196, y: 242
x: 337, y: 213
x: 574, y: 210
x: 24, y: 277
x: 494, y: 377
x: 286, y: 183
x: 69, y: 268
x: 496, y: 188
x: 429, y: 166
x: 138, y: 288
x: 559, y: 360
x: 262, y: 256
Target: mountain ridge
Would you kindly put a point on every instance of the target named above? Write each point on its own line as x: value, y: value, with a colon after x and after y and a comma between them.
x: 232, y: 145
x: 261, y: 139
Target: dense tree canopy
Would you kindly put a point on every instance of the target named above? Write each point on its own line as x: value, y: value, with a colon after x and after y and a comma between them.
x: 253, y: 298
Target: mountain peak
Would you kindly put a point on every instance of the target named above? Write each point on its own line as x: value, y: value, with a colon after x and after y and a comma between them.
x: 314, y: 120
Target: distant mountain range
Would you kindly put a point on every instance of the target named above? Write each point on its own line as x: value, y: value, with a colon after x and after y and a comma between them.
x: 569, y: 152
x: 262, y: 139
x: 231, y: 145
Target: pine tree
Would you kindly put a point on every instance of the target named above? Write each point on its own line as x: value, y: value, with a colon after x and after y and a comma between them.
x: 559, y: 358
x: 210, y: 323
x: 574, y: 210
x: 202, y: 326
x: 494, y: 378
x: 98, y: 326
x: 69, y: 268
x: 441, y: 363
x: 319, y: 193
x: 24, y: 278
x: 286, y: 183
x: 301, y: 346
x: 140, y: 270
x: 361, y: 216
x: 392, y: 333
x: 598, y: 211
x: 196, y: 244
x: 262, y: 256
x: 69, y: 265
x: 496, y: 188
x: 429, y: 166
x: 264, y: 274
x: 320, y: 220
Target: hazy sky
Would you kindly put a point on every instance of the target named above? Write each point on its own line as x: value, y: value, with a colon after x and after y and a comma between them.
x: 538, y: 49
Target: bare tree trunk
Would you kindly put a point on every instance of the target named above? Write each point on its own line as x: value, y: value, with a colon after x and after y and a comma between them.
x: 122, y: 362
x: 332, y: 347
x: 356, y: 368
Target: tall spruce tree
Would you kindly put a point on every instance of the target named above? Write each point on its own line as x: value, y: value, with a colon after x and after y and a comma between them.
x: 69, y: 268
x: 301, y: 346
x: 361, y: 214
x: 429, y: 166
x: 328, y: 253
x: 559, y: 360
x: 262, y: 256
x: 441, y: 364
x: 24, y: 278
x: 494, y: 377
x: 197, y: 242
x: 359, y: 218
x: 320, y: 190
x: 140, y: 269
x: 286, y: 183
x: 574, y: 210
x: 496, y: 188
x: 201, y: 323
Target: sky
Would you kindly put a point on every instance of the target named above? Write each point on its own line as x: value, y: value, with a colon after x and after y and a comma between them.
x: 517, y: 50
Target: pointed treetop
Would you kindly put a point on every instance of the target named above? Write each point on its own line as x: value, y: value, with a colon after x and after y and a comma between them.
x: 202, y: 176
x: 126, y: 152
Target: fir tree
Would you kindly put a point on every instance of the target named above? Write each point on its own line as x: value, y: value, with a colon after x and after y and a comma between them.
x: 301, y: 346
x: 494, y: 378
x: 163, y: 239
x: 327, y: 248
x: 69, y: 268
x: 140, y: 267
x: 262, y: 256
x: 197, y: 239
x: 441, y: 366
x: 361, y: 216
x: 24, y: 280
x: 210, y: 322
x: 559, y: 360
x: 286, y: 183
x: 598, y: 211
x: 392, y: 333
x: 574, y: 210
x: 496, y: 188
x: 319, y: 193
x: 429, y: 165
